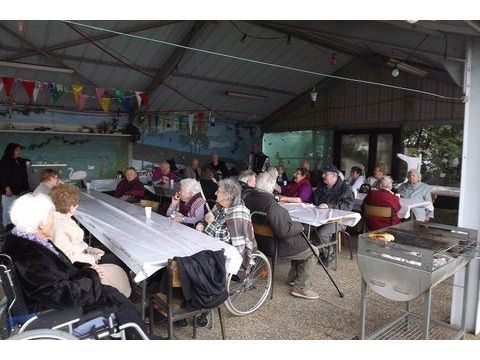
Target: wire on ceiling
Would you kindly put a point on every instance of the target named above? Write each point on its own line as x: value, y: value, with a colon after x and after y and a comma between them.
x: 265, y: 63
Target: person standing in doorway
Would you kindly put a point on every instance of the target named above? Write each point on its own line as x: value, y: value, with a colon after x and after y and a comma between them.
x: 13, y: 178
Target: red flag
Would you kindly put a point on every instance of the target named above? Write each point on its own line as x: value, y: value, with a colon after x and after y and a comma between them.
x: 201, y: 120
x: 8, y: 85
x: 82, y: 102
x: 100, y: 92
x: 145, y: 98
x: 29, y: 86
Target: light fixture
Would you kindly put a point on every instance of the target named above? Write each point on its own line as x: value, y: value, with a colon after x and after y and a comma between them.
x: 412, y: 21
x: 314, y: 94
x: 20, y: 65
x: 410, y: 69
x: 245, y: 95
x: 395, y: 72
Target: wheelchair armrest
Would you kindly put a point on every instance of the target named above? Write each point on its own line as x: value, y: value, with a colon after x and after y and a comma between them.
x: 53, y: 318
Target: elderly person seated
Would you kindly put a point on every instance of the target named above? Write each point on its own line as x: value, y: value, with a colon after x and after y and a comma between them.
x: 188, y: 205
x: 219, y: 167
x: 356, y: 179
x: 291, y: 243
x: 332, y: 193
x: 383, y: 197
x: 300, y: 190
x: 68, y: 237
x: 47, y: 276
x: 379, y: 171
x: 230, y: 221
x: 49, y: 178
x: 162, y: 174
x: 247, y: 180
x: 193, y: 171
x: 415, y: 189
x: 130, y: 188
x: 282, y: 178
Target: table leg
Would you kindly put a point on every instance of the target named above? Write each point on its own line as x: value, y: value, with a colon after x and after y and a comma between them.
x: 336, y: 246
x: 464, y: 306
x: 144, y: 298
x: 363, y: 307
x: 426, y: 313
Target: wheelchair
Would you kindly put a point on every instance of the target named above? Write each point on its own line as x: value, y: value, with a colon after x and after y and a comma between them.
x: 249, y: 294
x: 18, y: 322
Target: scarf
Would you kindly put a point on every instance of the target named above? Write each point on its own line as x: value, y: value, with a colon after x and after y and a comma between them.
x: 35, y: 238
x: 186, y: 207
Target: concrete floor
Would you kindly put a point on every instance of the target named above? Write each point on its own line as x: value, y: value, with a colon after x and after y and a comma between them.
x: 328, y: 318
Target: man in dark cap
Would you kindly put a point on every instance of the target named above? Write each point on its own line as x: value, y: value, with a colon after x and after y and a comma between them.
x: 332, y: 193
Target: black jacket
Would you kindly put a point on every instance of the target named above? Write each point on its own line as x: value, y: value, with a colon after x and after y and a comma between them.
x: 221, y: 167
x: 246, y: 190
x: 13, y: 173
x: 340, y: 196
x: 203, y: 276
x: 287, y: 231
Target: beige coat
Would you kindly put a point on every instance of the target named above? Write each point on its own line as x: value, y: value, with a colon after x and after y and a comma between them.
x: 68, y: 237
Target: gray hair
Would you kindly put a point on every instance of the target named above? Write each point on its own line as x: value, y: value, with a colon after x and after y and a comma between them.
x: 246, y: 175
x: 415, y: 172
x: 266, y: 181
x: 191, y: 185
x: 386, y: 182
x: 29, y: 212
x: 273, y: 171
x: 232, y: 190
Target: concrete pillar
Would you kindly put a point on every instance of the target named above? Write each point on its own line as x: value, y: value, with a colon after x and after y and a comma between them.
x: 469, y: 209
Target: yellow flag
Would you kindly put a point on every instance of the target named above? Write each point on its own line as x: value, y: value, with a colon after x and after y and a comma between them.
x: 77, y: 91
x: 105, y: 104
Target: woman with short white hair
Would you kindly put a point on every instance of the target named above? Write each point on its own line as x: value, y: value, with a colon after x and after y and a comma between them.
x: 46, y: 275
x: 415, y: 189
x: 188, y: 205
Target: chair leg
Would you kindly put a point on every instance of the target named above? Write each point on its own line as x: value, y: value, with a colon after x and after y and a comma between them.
x: 195, y: 327
x: 274, y: 264
x: 220, y: 318
x: 170, y: 328
x: 349, y: 245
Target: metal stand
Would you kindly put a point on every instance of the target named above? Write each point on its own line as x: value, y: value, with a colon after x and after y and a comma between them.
x: 410, y: 326
x: 323, y: 266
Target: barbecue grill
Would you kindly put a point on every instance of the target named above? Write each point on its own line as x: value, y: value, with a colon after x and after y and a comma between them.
x: 420, y: 257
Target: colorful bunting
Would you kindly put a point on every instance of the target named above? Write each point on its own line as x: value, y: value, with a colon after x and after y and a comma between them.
x: 126, y: 104
x: 212, y: 119
x: 36, y: 90
x: 119, y: 95
x: 100, y: 92
x: 201, y: 120
x: 8, y: 85
x: 105, y: 103
x: 56, y: 91
x: 145, y: 98
x: 77, y: 91
x: 142, y: 99
x: 191, y: 117
x: 29, y: 86
x: 82, y: 102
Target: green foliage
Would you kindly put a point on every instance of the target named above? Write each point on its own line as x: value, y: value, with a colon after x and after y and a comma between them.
x: 441, y: 149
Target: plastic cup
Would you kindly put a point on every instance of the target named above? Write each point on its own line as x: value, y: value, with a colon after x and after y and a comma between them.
x: 171, y: 183
x: 148, y: 212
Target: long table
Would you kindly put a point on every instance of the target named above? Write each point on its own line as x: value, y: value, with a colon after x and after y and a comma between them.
x: 144, y: 245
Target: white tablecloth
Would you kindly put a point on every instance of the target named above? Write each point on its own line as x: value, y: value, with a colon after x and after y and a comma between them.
x: 312, y: 215
x: 406, y: 205
x: 145, y: 245
x: 104, y: 184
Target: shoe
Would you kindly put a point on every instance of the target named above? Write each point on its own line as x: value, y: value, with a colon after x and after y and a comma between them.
x: 304, y: 293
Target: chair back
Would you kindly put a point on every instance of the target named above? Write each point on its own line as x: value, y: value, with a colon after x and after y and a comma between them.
x: 379, y: 211
x: 261, y: 227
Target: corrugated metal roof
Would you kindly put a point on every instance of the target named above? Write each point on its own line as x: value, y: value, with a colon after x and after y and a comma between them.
x: 218, y: 74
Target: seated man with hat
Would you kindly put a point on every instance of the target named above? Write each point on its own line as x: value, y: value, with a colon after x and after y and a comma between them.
x: 332, y: 193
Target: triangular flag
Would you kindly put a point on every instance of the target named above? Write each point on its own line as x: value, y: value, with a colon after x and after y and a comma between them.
x: 29, y: 86
x: 8, y: 85
x: 145, y: 98
x: 56, y: 91
x: 126, y: 104
x: 36, y: 90
x: 77, y: 91
x: 191, y: 117
x: 119, y: 94
x: 201, y: 120
x: 100, y: 92
x: 139, y: 98
x: 105, y: 104
x: 82, y: 102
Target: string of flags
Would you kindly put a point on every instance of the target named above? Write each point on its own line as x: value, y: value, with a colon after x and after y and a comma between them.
x: 56, y: 91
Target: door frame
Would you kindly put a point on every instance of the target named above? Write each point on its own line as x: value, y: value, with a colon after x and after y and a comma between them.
x: 372, y: 147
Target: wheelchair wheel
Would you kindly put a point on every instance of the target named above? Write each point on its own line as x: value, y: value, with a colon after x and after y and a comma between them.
x: 43, y: 334
x: 248, y: 295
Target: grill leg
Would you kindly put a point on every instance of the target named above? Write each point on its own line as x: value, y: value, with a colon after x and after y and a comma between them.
x: 464, y: 306
x: 426, y: 313
x: 363, y: 307
x: 144, y: 297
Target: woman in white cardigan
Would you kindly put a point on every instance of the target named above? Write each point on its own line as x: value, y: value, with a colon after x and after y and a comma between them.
x: 68, y: 237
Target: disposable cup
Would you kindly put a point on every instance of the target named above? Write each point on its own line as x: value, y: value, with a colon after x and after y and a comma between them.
x: 148, y: 212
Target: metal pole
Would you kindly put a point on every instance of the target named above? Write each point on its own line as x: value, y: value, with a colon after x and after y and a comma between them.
x: 363, y: 308
x: 465, y: 292
x: 144, y: 297
x: 426, y: 313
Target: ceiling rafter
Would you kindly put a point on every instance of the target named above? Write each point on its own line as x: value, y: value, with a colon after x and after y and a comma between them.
x: 103, y: 36
x: 176, y: 56
x: 43, y: 52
